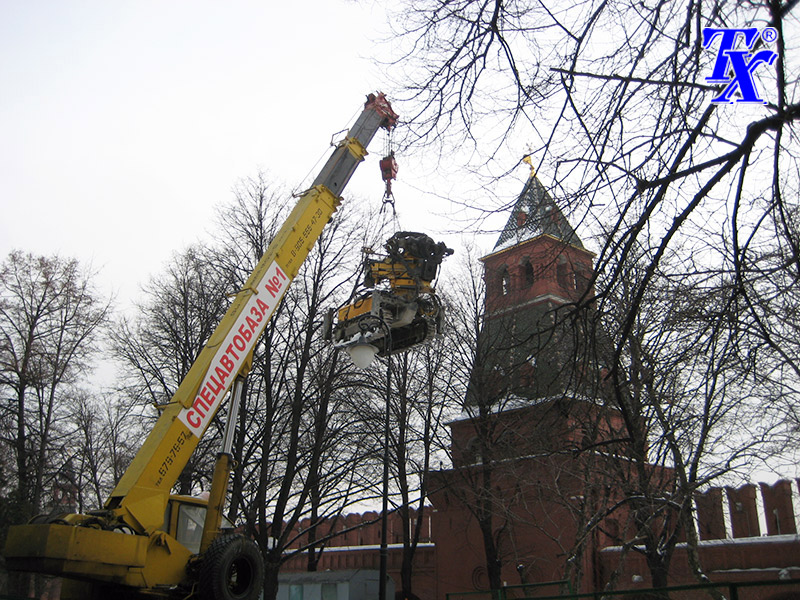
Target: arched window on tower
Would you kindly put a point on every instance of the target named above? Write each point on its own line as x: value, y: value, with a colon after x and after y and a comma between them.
x: 582, y: 275
x: 564, y: 274
x: 505, y: 282
x: 561, y: 272
x: 528, y: 273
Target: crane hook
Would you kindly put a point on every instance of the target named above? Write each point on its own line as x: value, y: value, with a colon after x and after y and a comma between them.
x: 388, y: 166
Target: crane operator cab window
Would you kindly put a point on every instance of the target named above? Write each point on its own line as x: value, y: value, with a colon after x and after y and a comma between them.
x: 189, y: 523
x: 190, y: 526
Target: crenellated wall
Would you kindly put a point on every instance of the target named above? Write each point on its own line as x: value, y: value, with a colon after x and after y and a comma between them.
x: 360, y: 529
x: 734, y: 546
x: 728, y: 512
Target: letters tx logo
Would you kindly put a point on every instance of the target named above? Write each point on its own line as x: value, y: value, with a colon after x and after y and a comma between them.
x: 736, y: 67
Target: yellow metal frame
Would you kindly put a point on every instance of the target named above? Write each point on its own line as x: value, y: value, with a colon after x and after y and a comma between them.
x: 360, y: 307
x: 99, y: 555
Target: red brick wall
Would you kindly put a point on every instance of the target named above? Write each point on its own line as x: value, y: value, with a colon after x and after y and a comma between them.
x: 558, y: 270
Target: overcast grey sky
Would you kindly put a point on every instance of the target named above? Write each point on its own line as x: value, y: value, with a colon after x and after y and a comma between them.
x: 125, y: 123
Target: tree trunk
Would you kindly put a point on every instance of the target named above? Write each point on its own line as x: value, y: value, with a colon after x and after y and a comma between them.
x: 493, y: 562
x: 271, y: 569
x: 659, y: 569
x: 22, y: 455
x: 313, y: 555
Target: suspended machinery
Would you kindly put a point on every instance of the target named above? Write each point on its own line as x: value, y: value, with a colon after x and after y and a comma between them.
x: 399, y: 307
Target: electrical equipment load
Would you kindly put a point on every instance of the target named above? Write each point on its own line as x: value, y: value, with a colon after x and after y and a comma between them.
x: 399, y: 307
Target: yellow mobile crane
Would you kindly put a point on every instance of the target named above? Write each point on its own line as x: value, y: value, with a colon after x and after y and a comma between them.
x: 145, y: 542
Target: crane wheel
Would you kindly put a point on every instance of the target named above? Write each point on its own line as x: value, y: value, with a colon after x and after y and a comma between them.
x: 232, y: 569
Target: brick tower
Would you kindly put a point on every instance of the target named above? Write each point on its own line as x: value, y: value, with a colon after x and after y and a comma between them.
x: 537, y: 293
x: 531, y: 408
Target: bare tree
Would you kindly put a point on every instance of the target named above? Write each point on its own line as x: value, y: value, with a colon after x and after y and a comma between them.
x: 298, y: 444
x: 422, y: 382
x: 691, y: 199
x: 50, y: 319
x: 107, y: 433
x: 474, y: 479
x: 158, y: 346
x: 180, y: 309
x: 685, y: 384
x: 412, y: 412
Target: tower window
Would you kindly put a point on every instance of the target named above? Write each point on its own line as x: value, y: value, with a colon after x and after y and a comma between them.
x: 528, y: 270
x: 565, y: 275
x: 505, y: 283
x: 582, y: 278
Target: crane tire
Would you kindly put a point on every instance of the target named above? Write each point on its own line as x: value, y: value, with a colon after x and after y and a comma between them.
x: 232, y: 569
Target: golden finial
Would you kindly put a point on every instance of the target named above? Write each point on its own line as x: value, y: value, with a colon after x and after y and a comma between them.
x: 527, y: 159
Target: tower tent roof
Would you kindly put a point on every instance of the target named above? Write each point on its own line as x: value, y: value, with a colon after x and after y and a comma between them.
x: 534, y: 214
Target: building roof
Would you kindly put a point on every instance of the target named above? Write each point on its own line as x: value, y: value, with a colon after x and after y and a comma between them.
x: 330, y: 576
x: 534, y: 214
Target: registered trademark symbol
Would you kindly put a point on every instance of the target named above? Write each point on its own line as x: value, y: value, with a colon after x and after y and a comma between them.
x: 769, y: 34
